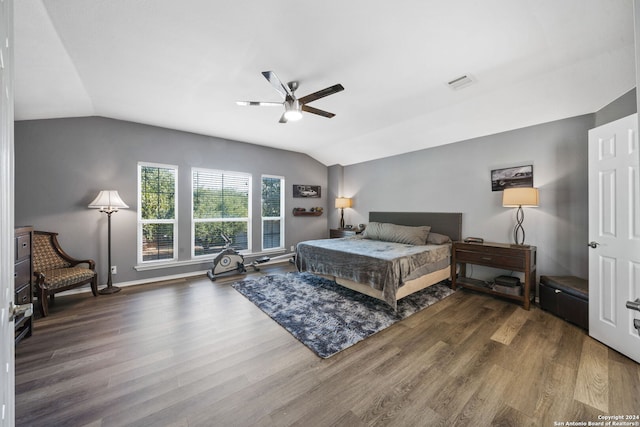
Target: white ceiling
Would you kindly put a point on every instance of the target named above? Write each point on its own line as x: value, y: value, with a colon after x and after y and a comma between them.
x: 183, y: 64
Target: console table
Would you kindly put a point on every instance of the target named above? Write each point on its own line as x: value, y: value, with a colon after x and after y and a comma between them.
x: 498, y: 255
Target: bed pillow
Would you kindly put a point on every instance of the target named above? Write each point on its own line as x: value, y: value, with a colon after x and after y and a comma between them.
x: 437, y: 239
x: 397, y: 233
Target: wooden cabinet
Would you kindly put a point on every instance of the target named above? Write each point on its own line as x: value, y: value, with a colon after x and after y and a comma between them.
x: 23, y: 292
x: 498, y: 255
x: 336, y: 233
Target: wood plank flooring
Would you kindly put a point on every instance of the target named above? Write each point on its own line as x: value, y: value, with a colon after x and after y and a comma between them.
x: 196, y: 353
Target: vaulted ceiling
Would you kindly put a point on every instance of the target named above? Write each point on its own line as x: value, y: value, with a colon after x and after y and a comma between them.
x: 183, y: 64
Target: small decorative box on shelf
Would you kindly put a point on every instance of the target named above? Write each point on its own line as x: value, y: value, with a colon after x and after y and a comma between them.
x: 304, y: 212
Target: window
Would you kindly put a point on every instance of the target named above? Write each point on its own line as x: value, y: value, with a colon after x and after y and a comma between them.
x: 157, y: 213
x: 221, y: 205
x: 272, y: 212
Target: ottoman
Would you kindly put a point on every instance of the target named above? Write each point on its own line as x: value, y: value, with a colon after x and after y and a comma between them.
x: 566, y: 297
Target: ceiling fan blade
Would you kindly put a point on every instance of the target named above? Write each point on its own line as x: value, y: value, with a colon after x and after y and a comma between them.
x: 277, y: 84
x: 317, y: 111
x: 259, y: 103
x: 283, y: 119
x: 321, y: 93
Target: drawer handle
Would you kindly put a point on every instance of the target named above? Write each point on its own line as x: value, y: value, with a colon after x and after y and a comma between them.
x: 15, y: 275
x: 25, y: 298
x: 24, y: 244
x: 557, y: 291
x: 486, y: 258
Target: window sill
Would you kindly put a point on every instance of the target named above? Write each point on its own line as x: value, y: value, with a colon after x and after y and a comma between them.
x: 169, y: 264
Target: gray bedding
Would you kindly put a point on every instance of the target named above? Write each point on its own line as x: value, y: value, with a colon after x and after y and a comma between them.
x: 384, y: 266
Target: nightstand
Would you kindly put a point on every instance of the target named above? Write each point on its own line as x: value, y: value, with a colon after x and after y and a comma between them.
x: 498, y: 255
x: 336, y: 233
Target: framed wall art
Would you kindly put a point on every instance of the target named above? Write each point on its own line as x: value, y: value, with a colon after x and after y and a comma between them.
x: 520, y: 176
x: 306, y: 191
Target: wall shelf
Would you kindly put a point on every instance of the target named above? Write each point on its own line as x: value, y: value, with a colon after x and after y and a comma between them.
x: 306, y: 213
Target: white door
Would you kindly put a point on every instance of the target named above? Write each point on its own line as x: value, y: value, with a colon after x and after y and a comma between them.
x: 614, y: 234
x: 6, y: 216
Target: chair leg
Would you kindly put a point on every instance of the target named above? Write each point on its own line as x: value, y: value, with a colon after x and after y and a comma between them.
x: 94, y: 285
x: 43, y: 303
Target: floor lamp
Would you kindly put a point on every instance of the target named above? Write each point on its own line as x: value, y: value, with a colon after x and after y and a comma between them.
x: 108, y: 201
x: 517, y: 198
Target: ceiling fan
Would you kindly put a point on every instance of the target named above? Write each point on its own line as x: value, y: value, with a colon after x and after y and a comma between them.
x: 293, y: 107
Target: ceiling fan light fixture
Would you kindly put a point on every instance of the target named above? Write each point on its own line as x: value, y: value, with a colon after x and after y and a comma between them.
x: 292, y: 115
x: 292, y: 111
x: 293, y: 107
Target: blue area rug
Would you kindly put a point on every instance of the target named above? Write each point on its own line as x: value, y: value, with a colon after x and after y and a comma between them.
x: 325, y: 316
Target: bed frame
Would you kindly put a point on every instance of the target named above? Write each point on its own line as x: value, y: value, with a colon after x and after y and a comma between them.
x: 448, y: 223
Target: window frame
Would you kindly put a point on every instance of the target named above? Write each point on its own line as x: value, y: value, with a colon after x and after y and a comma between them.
x: 281, y: 217
x: 248, y: 219
x: 141, y: 222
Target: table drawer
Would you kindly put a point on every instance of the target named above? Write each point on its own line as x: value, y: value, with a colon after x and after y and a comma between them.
x: 23, y: 295
x: 22, y: 273
x: 23, y: 246
x: 491, y: 260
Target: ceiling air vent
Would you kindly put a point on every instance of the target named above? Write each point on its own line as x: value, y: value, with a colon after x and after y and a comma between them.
x: 461, y: 82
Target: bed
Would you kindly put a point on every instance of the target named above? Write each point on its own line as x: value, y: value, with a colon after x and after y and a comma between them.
x: 384, y: 267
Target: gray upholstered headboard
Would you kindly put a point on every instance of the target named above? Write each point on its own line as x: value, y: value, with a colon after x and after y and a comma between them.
x: 448, y: 223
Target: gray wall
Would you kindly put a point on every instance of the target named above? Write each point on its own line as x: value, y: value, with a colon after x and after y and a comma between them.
x: 621, y: 107
x: 61, y: 165
x: 456, y: 178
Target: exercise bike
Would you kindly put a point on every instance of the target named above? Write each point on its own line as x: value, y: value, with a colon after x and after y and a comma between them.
x: 226, y: 261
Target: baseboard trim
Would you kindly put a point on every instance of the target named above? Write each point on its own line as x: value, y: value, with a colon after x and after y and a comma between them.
x: 171, y: 277
x: 141, y: 281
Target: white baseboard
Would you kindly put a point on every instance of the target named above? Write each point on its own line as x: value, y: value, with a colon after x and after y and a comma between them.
x: 87, y: 288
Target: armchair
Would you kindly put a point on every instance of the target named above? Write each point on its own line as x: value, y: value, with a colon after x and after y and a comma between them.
x: 55, y: 271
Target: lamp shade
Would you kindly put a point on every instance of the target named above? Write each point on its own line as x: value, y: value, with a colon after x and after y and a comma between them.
x: 108, y: 199
x: 520, y: 196
x: 343, y: 202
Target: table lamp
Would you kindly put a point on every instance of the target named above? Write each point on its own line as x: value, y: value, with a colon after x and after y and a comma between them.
x: 519, y: 197
x: 341, y: 203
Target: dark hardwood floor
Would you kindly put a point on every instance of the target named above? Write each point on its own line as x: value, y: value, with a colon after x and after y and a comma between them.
x: 196, y: 353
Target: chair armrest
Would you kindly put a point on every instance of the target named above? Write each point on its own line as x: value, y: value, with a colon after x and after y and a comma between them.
x: 40, y: 278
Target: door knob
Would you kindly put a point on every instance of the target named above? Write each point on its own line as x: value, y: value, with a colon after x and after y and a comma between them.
x: 593, y: 244
x: 634, y: 305
x: 25, y: 310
